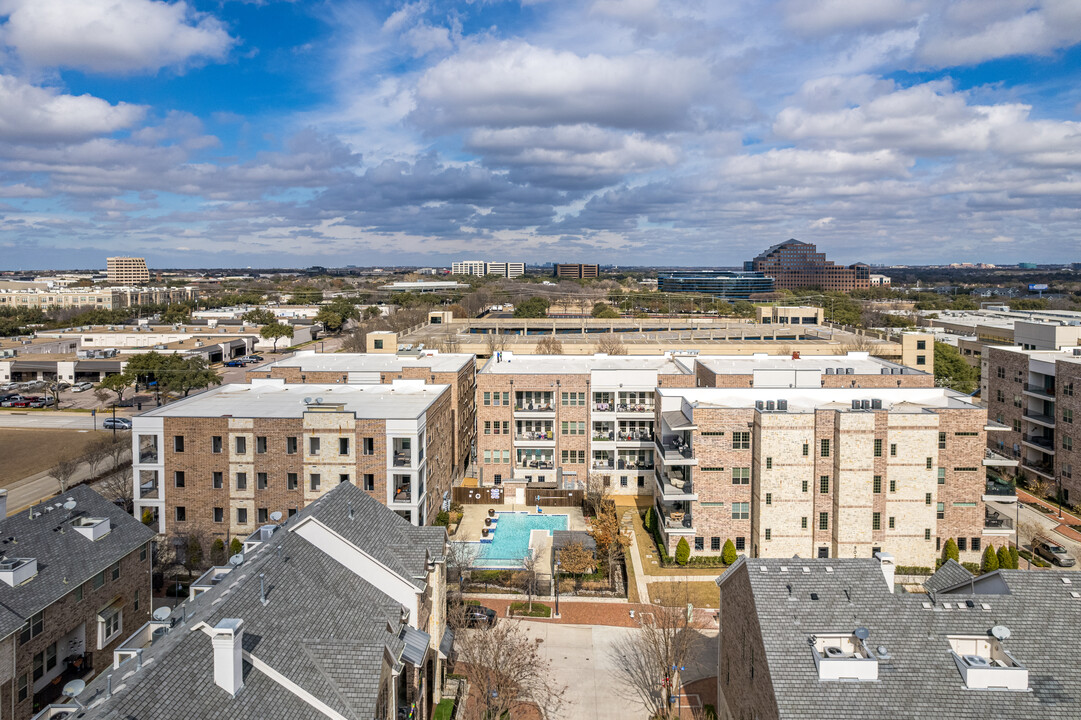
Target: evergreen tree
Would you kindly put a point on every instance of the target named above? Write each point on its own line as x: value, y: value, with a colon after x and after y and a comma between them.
x: 990, y: 560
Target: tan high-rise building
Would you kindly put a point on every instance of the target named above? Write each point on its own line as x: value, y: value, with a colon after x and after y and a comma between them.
x: 127, y: 271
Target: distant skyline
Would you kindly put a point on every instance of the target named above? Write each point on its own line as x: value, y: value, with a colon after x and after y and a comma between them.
x: 271, y: 133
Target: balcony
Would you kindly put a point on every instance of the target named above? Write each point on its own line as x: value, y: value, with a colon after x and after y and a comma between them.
x: 994, y: 459
x: 1042, y: 469
x: 535, y: 436
x: 675, y: 518
x: 599, y: 464
x: 403, y: 490
x: 634, y: 436
x: 634, y: 463
x: 1039, y: 418
x: 674, y: 487
x: 530, y: 402
x: 149, y: 491
x: 997, y: 524
x: 1040, y: 442
x: 999, y: 491
x: 676, y: 453
x: 635, y: 408
x: 604, y: 407
x: 1040, y: 390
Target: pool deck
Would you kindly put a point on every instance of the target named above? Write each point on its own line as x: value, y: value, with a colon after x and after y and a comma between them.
x: 473, y: 518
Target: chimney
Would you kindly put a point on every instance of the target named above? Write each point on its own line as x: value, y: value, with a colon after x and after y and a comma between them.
x: 3, y: 504
x: 228, y: 639
x: 885, y: 559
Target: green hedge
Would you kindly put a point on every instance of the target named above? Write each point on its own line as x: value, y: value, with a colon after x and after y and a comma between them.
x: 1037, y: 561
x: 913, y: 570
x: 972, y: 567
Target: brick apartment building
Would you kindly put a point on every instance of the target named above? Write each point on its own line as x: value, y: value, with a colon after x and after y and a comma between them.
x: 794, y: 265
x: 223, y: 461
x: 562, y: 418
x: 824, y: 472
x: 456, y: 370
x: 74, y: 582
x: 1032, y: 392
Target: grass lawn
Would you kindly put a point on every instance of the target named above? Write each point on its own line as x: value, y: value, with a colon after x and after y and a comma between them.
x: 521, y: 609
x: 444, y: 710
x: 26, y: 452
x: 702, y: 594
x: 646, y: 545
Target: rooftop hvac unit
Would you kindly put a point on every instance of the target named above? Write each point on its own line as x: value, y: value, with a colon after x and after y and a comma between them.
x: 855, y: 404
x: 885, y: 371
x: 834, y: 652
x: 850, y: 371
x: 782, y: 405
x: 769, y: 405
x: 759, y: 404
x: 829, y: 371
x: 866, y: 404
x: 1077, y: 351
x: 876, y: 404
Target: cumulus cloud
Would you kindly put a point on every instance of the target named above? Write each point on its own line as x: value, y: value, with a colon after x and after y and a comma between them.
x: 817, y: 17
x: 42, y: 115
x: 111, y: 36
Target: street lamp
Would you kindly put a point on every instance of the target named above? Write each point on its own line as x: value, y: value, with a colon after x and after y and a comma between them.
x: 557, y: 587
x: 114, y: 422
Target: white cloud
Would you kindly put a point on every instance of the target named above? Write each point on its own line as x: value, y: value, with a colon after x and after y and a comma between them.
x: 111, y: 36
x: 819, y: 17
x: 513, y: 83
x: 791, y: 166
x: 41, y: 115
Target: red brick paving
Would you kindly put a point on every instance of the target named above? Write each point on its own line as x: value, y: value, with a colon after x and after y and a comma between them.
x: 1068, y: 517
x: 579, y: 612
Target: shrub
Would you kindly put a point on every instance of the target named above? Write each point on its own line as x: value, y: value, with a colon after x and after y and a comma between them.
x: 148, y: 516
x: 217, y: 552
x: 1014, y: 557
x: 990, y: 560
x: 1004, y: 559
x: 913, y: 570
x: 709, y: 712
x: 972, y: 567
x: 728, y: 552
x: 442, y: 518
x: 648, y: 520
x: 950, y: 551
x: 235, y: 546
x: 683, y: 551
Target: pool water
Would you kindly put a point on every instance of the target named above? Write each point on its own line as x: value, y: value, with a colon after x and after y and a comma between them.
x: 510, y: 541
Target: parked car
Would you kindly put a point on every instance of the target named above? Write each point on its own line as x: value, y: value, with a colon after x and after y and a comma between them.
x: 118, y: 423
x: 37, y: 402
x: 20, y: 402
x: 1054, y: 553
x: 478, y: 615
x: 239, y: 362
x: 254, y: 358
x: 10, y: 400
x: 83, y: 387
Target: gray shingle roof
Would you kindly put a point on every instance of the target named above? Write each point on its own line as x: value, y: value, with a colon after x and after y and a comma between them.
x: 323, y: 628
x: 565, y: 538
x: 65, y: 558
x: 951, y: 573
x: 920, y: 680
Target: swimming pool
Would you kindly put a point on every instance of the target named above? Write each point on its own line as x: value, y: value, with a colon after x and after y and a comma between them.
x: 510, y: 541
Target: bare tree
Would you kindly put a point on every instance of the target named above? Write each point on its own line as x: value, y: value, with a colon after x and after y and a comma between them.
x: 495, y: 341
x: 576, y: 560
x: 549, y: 345
x: 644, y: 661
x: 1027, y: 532
x: 860, y: 343
x: 529, y: 575
x: 1038, y: 487
x: 610, y: 344
x: 460, y: 558
x: 63, y: 471
x: 117, y: 487
x: 119, y: 450
x: 596, y: 493
x: 97, y: 453
x: 508, y: 673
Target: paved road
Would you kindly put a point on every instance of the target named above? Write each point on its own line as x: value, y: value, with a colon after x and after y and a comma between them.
x: 37, y: 488
x: 50, y: 420
x: 583, y: 658
x: 1046, y: 523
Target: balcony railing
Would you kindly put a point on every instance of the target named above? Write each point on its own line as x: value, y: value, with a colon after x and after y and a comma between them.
x: 1040, y: 389
x: 1042, y: 468
x: 148, y: 456
x: 149, y: 491
x: 403, y: 458
x: 997, y: 521
x: 1041, y: 441
x: 604, y: 437
x: 634, y: 407
x: 635, y: 436
x: 534, y: 407
x: 1001, y: 489
x: 603, y: 465
x: 403, y: 494
x: 536, y: 464
x: 1039, y: 417
x: 676, y: 519
x: 535, y: 435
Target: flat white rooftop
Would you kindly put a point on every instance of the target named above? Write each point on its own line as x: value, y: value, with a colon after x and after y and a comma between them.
x: 512, y: 364
x: 312, y: 361
x: 274, y: 398
x: 802, y: 400
x: 862, y: 363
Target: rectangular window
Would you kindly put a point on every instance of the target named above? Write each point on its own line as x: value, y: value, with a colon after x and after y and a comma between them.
x: 178, y: 443
x: 976, y: 543
x: 876, y: 521
x: 699, y: 543
x: 178, y: 478
x: 741, y: 543
x: 942, y: 441
x: 623, y: 481
x: 961, y: 544
x: 368, y: 446
x: 769, y: 498
x: 343, y: 478
x: 135, y: 602
x: 180, y: 513
x: 893, y: 449
x: 24, y: 687
x: 219, y: 514
x: 930, y: 463
x: 942, y: 476
x: 369, y: 482
x: 927, y: 533
x: 290, y: 446
x: 741, y: 441
x: 215, y: 444
x: 261, y: 480
x: 260, y: 445
x: 804, y: 486
x: 241, y: 444
x: 825, y: 449
x: 242, y: 516
x: 241, y: 481
x: 487, y: 427
x: 262, y: 515
x: 892, y: 522
x: 216, y: 480
x: 1067, y: 442
x: 314, y: 481
x: 921, y: 359
x: 291, y: 481
x: 893, y: 486
x: 824, y: 484
x: 878, y: 447
x: 769, y: 463
x: 715, y: 544
x: 142, y: 558
x: 803, y: 522
x: 927, y: 499
x: 741, y: 511
x: 823, y: 521
x: 921, y: 344
x: 941, y: 511
x: 877, y: 484
x: 768, y: 534
x: 313, y: 446
x: 114, y: 571
x: 343, y: 446
x: 741, y: 476
x: 806, y: 449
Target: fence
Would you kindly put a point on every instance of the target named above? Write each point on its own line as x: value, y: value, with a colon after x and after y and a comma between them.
x: 543, y: 494
x: 553, y: 497
x: 477, y: 496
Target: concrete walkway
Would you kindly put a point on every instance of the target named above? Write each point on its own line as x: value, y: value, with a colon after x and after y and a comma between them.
x: 42, y: 486
x: 636, y: 559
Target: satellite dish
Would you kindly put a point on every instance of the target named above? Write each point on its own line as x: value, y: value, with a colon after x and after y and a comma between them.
x: 1001, y: 632
x: 74, y: 688
x: 70, y: 505
x: 307, y: 401
x: 319, y: 401
x: 276, y: 516
x: 162, y: 613
x: 862, y: 633
x: 237, y: 559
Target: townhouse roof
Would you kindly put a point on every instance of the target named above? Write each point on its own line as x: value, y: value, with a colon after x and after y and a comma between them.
x: 513, y: 364
x: 371, y: 362
x: 274, y: 398
x: 65, y: 557
x: 862, y: 363
x: 898, y: 399
x: 323, y: 634
x: 909, y: 634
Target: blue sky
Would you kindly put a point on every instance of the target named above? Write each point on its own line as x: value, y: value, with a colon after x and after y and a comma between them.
x: 274, y: 133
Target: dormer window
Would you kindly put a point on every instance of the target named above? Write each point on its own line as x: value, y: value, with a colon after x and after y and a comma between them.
x: 844, y: 656
x: 985, y: 664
